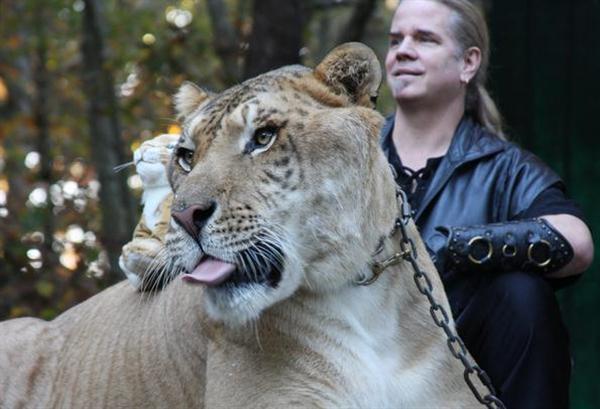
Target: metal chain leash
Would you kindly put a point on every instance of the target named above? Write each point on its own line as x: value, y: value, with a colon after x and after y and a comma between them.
x: 442, y: 319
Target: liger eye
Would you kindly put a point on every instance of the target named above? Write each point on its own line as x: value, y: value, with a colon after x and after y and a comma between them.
x: 263, y: 136
x: 262, y: 139
x: 184, y: 159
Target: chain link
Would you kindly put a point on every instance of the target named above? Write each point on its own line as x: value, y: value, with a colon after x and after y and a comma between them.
x: 442, y: 319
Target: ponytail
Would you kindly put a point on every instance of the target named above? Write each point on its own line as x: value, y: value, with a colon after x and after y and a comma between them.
x: 480, y: 106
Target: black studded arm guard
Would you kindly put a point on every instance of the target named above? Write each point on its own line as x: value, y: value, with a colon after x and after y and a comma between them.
x: 526, y: 245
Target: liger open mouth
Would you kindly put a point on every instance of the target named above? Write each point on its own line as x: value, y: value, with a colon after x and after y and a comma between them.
x: 259, y: 264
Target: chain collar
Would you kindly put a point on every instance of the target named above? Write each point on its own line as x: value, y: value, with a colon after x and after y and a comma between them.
x: 378, y: 267
x: 408, y: 252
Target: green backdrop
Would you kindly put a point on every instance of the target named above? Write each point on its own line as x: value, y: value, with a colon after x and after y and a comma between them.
x: 545, y: 75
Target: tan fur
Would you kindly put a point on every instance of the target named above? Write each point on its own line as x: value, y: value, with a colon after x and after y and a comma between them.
x: 142, y: 255
x: 323, y: 193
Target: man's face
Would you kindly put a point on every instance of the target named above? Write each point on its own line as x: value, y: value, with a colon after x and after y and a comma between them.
x: 422, y: 62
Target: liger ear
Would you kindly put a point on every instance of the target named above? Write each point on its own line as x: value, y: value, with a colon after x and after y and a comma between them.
x: 188, y: 98
x: 352, y: 69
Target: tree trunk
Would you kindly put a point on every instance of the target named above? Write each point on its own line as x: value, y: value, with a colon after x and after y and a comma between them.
x: 276, y: 37
x: 40, y: 115
x: 19, y: 103
x: 354, y: 29
x: 226, y: 41
x: 118, y: 215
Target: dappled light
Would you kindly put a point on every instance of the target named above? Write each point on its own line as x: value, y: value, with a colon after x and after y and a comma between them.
x: 178, y: 17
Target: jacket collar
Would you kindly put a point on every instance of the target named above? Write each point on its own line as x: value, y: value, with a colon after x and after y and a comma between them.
x: 469, y: 143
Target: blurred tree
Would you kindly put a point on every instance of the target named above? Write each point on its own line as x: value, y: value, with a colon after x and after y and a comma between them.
x: 118, y: 216
x: 41, y: 119
x: 277, y: 35
x: 354, y: 29
x: 226, y: 40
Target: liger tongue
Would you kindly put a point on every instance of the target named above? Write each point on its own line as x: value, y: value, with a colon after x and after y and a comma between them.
x: 210, y: 271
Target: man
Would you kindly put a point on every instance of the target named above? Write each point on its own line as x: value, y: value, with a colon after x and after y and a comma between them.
x: 496, y: 219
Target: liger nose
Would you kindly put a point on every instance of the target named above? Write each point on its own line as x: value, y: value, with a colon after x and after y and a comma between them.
x: 195, y: 217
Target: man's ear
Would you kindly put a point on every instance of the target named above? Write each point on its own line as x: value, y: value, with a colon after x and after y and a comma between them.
x: 470, y: 64
x: 188, y: 98
x: 352, y: 69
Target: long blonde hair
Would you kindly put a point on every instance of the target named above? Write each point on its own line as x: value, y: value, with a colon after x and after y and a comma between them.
x: 470, y: 30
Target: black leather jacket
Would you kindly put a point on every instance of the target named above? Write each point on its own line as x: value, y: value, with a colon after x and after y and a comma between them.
x: 481, y: 179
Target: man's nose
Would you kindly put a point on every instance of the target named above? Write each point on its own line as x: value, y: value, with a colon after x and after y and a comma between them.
x: 406, y: 50
x: 195, y: 217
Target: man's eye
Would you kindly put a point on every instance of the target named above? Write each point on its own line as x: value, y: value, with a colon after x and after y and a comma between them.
x: 184, y: 159
x: 395, y: 42
x: 427, y: 39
